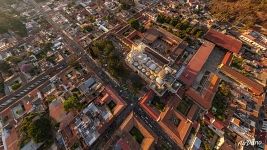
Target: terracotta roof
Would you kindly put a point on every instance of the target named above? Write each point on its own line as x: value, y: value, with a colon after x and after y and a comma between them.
x: 196, y: 63
x: 120, y: 103
x: 217, y: 123
x: 236, y: 121
x: 226, y: 59
x: 148, y: 109
x: 67, y: 120
x: 123, y: 145
x: 254, y: 86
x: 104, y: 99
x: 226, y: 41
x: 179, y: 132
x: 12, y: 140
x: 56, y: 110
x: 151, y: 35
x: 168, y: 36
x: 204, y: 99
x: 133, y: 121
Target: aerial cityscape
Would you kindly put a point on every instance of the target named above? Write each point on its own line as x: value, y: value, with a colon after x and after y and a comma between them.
x: 133, y: 74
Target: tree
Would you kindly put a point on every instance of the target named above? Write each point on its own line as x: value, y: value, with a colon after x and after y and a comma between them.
x: 2, y: 89
x: 14, y: 59
x: 13, y: 23
x: 185, y: 25
x: 39, y: 129
x: 199, y: 34
x: 134, y: 23
x: 4, y: 67
x: 125, y: 6
x: 174, y: 21
x: 36, y: 126
x: 87, y: 28
x: 16, y: 85
x: 72, y: 103
x: 161, y: 18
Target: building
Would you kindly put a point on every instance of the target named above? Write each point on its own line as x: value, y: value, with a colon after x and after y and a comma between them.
x: 131, y: 126
x: 255, y: 39
x: 225, y: 41
x: 179, y: 120
x: 200, y: 77
x: 252, y: 86
x: 92, y: 121
x: 154, y: 70
x: 242, y: 129
x: 164, y: 43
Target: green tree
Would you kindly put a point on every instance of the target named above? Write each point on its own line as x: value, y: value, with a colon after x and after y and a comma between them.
x: 2, y: 89
x: 35, y: 126
x: 4, y: 67
x: 174, y: 21
x: 125, y: 6
x: 13, y: 23
x: 72, y: 103
x: 39, y: 128
x: 14, y: 59
x: 161, y: 18
x: 199, y: 34
x: 134, y: 23
x: 16, y: 85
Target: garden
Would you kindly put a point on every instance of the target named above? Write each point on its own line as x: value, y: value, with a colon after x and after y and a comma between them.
x: 137, y: 135
x: 184, y: 106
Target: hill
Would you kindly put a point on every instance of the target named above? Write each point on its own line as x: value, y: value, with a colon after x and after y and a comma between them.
x: 248, y: 12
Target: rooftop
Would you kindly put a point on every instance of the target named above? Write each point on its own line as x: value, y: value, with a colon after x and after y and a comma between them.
x: 204, y: 99
x: 133, y: 121
x: 144, y: 104
x: 164, y: 42
x: 254, y: 86
x: 157, y: 73
x: 225, y: 41
x: 177, y: 119
x: 196, y: 63
x: 56, y: 110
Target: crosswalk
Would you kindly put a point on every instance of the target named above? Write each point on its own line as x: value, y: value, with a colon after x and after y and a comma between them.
x: 23, y: 92
x: 264, y: 125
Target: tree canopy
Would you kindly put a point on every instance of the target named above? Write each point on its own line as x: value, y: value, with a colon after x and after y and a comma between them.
x: 248, y: 12
x: 104, y: 51
x: 4, y: 67
x: 13, y: 23
x: 14, y: 59
x: 134, y: 23
x: 72, y: 103
x: 37, y: 127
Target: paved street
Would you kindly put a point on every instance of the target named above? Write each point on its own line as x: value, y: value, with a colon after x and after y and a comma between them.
x: 28, y: 87
x: 132, y: 101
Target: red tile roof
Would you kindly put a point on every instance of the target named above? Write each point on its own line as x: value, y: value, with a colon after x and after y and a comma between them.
x: 113, y: 95
x: 12, y: 141
x: 196, y: 63
x: 226, y: 41
x: 226, y: 59
x: 204, y: 99
x: 56, y: 110
x: 66, y: 120
x: 217, y: 123
x: 148, y: 109
x: 123, y: 145
x: 254, y: 86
